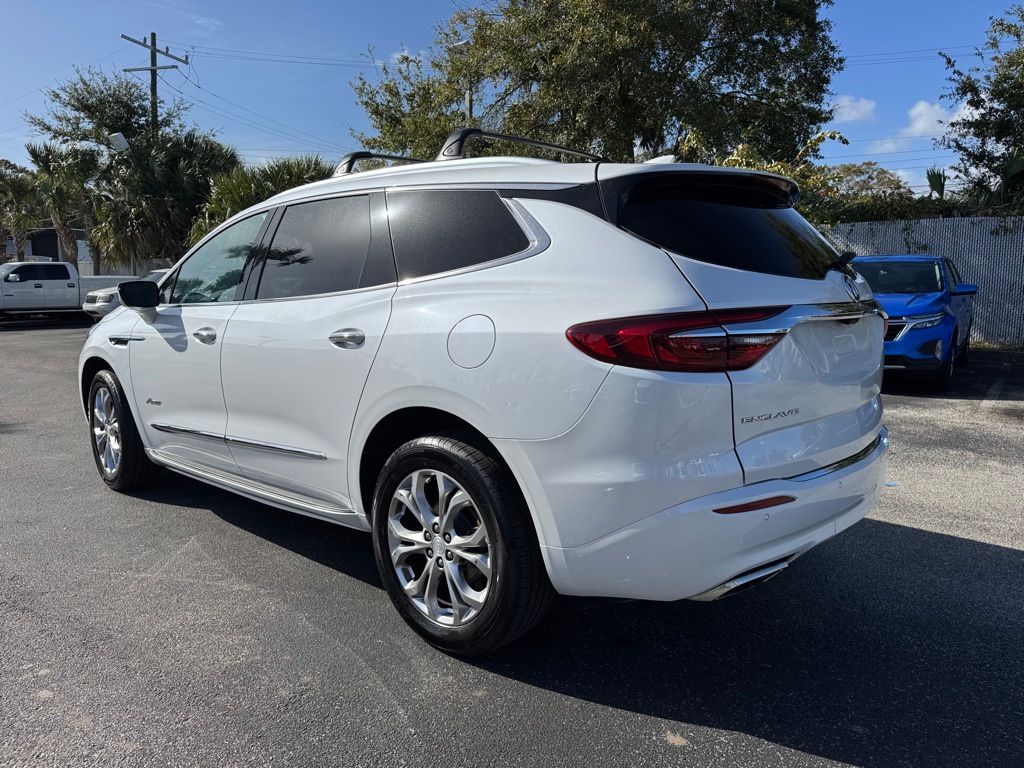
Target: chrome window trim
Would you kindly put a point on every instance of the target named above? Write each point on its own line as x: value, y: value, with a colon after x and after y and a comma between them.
x: 306, y: 296
x: 538, y: 241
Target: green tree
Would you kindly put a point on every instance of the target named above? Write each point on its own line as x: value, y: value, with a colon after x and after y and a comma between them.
x: 618, y: 77
x: 937, y: 179
x: 89, y: 106
x: 20, y: 207
x: 61, y: 178
x: 144, y: 199
x: 860, y: 181
x: 989, y: 131
x: 146, y: 206
x: 246, y: 186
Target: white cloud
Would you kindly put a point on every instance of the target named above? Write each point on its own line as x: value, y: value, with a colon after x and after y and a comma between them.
x: 924, y: 119
x: 207, y: 23
x: 850, y: 109
x: 915, y: 179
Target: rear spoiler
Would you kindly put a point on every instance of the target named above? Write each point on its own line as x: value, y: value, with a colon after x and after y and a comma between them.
x: 756, y: 188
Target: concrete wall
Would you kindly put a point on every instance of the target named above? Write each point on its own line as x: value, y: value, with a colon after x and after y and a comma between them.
x: 987, y: 251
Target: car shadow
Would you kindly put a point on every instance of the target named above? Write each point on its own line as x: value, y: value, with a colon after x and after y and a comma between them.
x: 342, y: 549
x: 974, y: 380
x: 42, y: 322
x: 887, y: 645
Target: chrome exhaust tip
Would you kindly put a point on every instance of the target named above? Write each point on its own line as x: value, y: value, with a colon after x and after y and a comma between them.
x: 746, y: 579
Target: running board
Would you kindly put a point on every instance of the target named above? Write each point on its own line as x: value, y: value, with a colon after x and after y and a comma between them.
x: 268, y: 494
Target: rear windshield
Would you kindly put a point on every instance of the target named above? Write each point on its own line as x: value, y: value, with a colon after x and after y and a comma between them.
x: 730, y: 226
x: 901, y: 276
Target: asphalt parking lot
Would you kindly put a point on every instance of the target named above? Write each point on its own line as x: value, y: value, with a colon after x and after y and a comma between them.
x: 187, y: 626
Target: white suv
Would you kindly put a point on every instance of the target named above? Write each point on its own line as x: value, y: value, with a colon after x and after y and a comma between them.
x: 523, y: 376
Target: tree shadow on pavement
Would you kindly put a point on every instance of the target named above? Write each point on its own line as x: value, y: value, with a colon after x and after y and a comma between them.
x: 886, y: 646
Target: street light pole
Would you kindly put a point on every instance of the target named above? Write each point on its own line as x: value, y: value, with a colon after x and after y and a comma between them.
x: 460, y: 49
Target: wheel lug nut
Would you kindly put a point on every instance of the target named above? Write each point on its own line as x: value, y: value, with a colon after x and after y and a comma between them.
x: 437, y: 528
x: 448, y: 555
x: 447, y: 538
x: 427, y: 536
x: 440, y: 563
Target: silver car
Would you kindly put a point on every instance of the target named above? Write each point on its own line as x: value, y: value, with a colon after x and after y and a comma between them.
x: 103, y: 301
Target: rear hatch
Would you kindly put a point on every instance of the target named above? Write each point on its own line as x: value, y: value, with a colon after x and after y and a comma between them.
x: 813, y: 398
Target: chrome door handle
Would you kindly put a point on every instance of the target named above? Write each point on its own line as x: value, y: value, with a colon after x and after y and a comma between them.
x: 205, y: 335
x: 348, y: 338
x: 38, y: 285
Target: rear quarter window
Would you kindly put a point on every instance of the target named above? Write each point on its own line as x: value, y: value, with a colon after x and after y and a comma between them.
x: 728, y: 225
x: 435, y: 231
x: 55, y: 272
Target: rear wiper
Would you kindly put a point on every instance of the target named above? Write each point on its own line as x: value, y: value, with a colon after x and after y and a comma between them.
x: 841, y: 264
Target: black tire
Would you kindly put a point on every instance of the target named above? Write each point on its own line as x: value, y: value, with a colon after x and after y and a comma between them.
x: 134, y: 471
x: 518, y: 590
x: 965, y: 353
x: 945, y: 375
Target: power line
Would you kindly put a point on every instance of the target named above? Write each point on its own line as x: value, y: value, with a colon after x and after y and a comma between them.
x: 248, y: 122
x: 260, y: 115
x: 41, y: 87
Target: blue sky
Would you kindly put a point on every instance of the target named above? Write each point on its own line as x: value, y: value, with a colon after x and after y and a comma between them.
x: 888, y: 96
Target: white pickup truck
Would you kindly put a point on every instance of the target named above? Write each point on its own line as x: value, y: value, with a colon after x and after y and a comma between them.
x: 44, y: 287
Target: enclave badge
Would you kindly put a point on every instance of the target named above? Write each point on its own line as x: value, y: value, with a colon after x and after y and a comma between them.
x: 769, y: 416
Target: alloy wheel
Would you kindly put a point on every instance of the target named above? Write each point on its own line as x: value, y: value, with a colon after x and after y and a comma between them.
x: 106, y: 431
x: 440, y: 547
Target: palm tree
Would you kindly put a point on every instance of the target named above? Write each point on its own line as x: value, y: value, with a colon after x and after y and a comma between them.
x: 147, y: 199
x: 61, y: 177
x: 20, y: 207
x: 936, y: 182
x: 246, y: 186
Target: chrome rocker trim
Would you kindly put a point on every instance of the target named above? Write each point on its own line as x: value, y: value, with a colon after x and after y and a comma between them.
x: 240, y: 441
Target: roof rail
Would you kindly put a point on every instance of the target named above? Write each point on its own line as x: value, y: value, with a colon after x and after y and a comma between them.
x: 345, y: 166
x: 452, y: 148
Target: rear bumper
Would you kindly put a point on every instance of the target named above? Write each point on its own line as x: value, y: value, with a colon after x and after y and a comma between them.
x: 690, y: 551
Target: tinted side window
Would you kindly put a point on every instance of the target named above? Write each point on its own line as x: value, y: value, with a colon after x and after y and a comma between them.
x: 319, y: 247
x: 55, y: 272
x: 954, y: 273
x: 729, y: 226
x: 29, y: 272
x: 439, y: 230
x: 213, y: 273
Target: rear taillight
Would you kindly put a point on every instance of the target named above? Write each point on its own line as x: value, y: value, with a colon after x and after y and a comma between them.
x: 692, y: 341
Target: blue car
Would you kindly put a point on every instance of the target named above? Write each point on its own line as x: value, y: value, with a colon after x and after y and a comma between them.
x: 929, y: 309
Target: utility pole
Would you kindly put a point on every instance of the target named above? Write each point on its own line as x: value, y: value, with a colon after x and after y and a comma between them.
x: 154, y: 117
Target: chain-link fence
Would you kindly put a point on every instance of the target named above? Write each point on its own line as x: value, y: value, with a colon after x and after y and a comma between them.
x: 987, y: 251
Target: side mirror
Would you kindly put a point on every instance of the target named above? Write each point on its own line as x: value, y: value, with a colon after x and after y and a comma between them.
x: 965, y: 289
x: 139, y: 294
x: 14, y: 277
